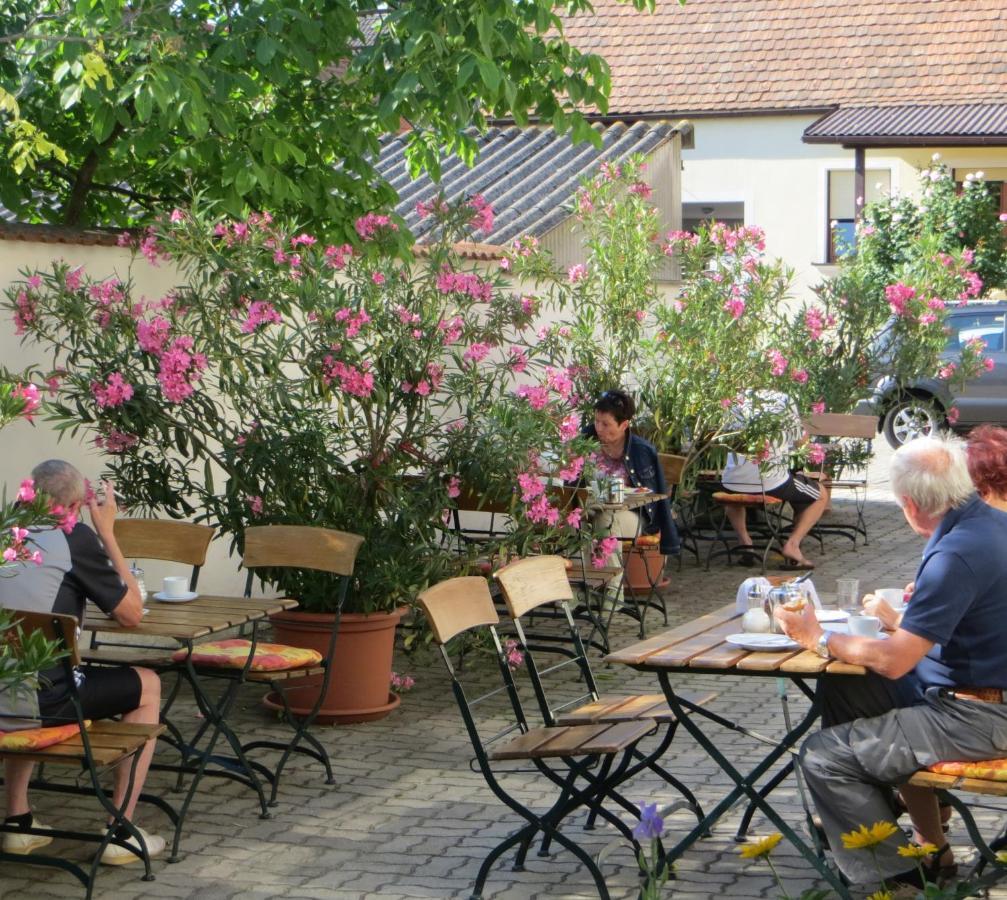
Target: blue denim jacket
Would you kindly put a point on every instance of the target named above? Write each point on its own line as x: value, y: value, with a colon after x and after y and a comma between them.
x: 643, y: 469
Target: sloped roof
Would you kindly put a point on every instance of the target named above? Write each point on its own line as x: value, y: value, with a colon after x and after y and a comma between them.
x: 528, y: 175
x: 878, y: 126
x: 717, y: 56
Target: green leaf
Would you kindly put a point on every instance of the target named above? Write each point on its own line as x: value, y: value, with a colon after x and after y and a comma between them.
x: 266, y: 49
x: 70, y: 96
x: 103, y: 123
x: 489, y: 73
x: 144, y: 105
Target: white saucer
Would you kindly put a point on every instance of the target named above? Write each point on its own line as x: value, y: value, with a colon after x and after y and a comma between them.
x: 181, y: 598
x: 844, y: 628
x: 831, y: 615
x: 756, y: 641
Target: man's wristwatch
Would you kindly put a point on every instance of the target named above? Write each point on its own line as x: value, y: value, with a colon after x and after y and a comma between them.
x: 822, y: 646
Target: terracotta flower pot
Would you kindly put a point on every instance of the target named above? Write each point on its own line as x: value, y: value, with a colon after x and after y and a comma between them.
x: 359, y: 687
x: 643, y: 568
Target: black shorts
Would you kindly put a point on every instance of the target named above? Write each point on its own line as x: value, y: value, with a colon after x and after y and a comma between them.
x: 798, y: 490
x: 106, y: 691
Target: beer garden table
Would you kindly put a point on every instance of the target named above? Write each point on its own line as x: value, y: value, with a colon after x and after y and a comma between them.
x: 699, y: 647
x: 186, y: 623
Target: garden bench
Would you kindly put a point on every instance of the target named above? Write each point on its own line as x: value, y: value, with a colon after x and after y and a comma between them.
x: 94, y: 747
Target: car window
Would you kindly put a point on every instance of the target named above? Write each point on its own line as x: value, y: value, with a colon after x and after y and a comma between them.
x: 989, y: 326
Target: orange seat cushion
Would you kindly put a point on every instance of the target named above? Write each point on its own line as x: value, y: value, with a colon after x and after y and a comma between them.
x: 37, y: 738
x: 989, y: 769
x: 745, y: 499
x: 232, y: 654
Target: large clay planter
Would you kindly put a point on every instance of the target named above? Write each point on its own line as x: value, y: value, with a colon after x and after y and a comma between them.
x: 359, y: 687
x: 644, y: 568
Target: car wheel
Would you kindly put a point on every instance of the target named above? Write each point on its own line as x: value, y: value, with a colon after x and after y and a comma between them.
x: 911, y: 418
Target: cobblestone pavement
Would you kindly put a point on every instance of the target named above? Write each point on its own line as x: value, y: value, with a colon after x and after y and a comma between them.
x: 408, y: 818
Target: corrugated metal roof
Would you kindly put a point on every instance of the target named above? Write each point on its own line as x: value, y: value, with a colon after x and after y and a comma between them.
x: 961, y: 122
x: 528, y: 175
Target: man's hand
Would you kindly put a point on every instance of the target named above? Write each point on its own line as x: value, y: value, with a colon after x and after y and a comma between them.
x: 877, y: 606
x: 800, y: 626
x: 103, y: 513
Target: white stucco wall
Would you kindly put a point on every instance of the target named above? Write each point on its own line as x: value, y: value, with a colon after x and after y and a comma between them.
x: 762, y: 162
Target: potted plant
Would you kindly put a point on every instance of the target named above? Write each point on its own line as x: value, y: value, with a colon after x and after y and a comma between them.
x: 287, y: 382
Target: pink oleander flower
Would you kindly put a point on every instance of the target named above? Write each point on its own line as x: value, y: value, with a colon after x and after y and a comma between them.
x: 66, y: 519
x: 260, y: 314
x: 973, y: 285
x: 818, y: 407
x: 518, y: 360
x: 116, y: 441
x: 569, y: 428
x: 254, y: 502
x: 816, y: 454
x: 572, y: 470
x: 988, y: 364
x: 423, y: 387
x: 529, y: 305
x: 512, y: 654
x: 25, y: 314
x: 814, y: 322
x: 573, y: 517
x: 537, y: 395
x: 114, y: 392
x: 26, y: 492
x: 947, y: 372
x: 531, y: 486
x: 377, y: 278
x: 952, y: 415
x: 358, y: 382
x: 451, y: 329
x: 401, y: 683
x: 641, y: 189
x: 435, y: 372
x: 542, y: 512
x: 927, y: 319
x: 304, y: 240
x: 29, y: 394
x: 800, y: 376
x: 74, y: 279
x: 898, y: 295
x: 476, y: 352
x: 559, y: 381
x: 152, y: 336
x: 179, y: 369
x: 505, y: 264
x: 482, y: 220
x: 454, y: 487
x: 576, y: 273
x: 602, y: 550
x: 151, y: 250
x: 778, y: 362
x: 337, y: 257
x: 368, y: 226
x: 735, y: 306
x: 177, y: 215
x: 449, y: 282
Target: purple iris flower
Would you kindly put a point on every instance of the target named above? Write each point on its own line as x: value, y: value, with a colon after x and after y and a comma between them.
x: 651, y: 825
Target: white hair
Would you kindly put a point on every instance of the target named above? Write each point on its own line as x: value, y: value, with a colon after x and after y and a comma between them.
x: 933, y: 473
x: 60, y: 480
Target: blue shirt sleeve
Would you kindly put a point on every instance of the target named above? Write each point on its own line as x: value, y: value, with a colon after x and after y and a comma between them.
x: 945, y: 590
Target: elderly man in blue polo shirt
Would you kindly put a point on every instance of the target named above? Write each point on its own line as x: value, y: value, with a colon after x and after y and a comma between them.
x: 942, y: 672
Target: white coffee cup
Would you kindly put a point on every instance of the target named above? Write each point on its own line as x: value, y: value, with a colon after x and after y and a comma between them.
x: 865, y: 626
x: 176, y: 586
x: 891, y: 596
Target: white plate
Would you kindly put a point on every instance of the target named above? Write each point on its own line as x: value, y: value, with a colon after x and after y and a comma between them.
x: 762, y: 641
x: 181, y: 598
x: 831, y: 615
x: 844, y: 628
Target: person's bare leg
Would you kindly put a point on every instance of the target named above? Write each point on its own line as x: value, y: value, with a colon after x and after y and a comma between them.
x: 149, y: 713
x: 17, y: 774
x: 804, y: 521
x: 738, y: 517
x: 924, y: 811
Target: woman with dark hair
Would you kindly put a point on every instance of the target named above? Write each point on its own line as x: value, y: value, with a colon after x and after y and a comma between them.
x: 628, y: 456
x: 987, y: 461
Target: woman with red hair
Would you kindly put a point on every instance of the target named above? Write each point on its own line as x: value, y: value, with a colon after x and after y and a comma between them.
x: 987, y: 461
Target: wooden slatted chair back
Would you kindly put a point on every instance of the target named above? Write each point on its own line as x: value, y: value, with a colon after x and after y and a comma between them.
x: 531, y: 582
x: 841, y: 425
x: 673, y: 466
x: 181, y: 542
x: 301, y: 547
x: 471, y: 500
x: 59, y: 628
x: 458, y: 604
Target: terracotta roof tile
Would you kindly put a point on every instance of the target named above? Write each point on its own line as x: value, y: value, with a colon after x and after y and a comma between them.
x: 797, y: 54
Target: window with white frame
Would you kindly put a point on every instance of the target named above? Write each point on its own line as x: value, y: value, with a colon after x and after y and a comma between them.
x: 842, y: 206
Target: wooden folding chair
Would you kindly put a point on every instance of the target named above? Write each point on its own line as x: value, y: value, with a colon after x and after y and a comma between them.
x: 279, y: 547
x: 91, y: 748
x: 673, y: 467
x: 583, y: 762
x: 528, y: 585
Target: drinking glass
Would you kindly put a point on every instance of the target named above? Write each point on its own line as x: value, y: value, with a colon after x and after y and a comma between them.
x: 848, y: 593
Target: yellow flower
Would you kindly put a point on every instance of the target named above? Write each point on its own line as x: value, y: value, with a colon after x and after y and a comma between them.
x: 917, y: 851
x: 868, y: 837
x: 762, y: 847
x: 881, y: 895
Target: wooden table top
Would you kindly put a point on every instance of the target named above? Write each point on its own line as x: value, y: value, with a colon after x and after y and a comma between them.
x: 635, y: 501
x: 700, y: 644
x: 206, y: 615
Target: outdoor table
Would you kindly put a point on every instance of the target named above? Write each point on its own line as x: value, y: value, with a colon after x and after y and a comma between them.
x: 185, y: 623
x: 634, y: 501
x: 699, y: 647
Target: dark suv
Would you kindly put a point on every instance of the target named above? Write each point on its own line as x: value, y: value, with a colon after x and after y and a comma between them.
x: 920, y: 408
